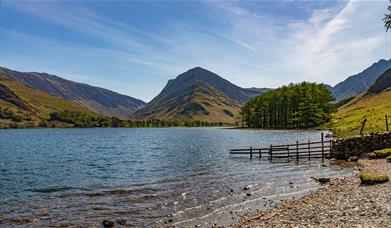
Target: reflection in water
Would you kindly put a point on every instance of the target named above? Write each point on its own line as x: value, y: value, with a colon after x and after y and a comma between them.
x: 143, y: 176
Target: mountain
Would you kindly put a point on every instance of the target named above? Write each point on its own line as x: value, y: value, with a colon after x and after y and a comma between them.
x: 96, y: 99
x: 382, y: 83
x: 198, y: 94
x: 259, y: 90
x: 359, y: 83
x: 372, y: 105
x: 29, y: 104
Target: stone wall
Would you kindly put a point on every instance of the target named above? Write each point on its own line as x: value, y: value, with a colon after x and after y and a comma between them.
x: 360, y: 145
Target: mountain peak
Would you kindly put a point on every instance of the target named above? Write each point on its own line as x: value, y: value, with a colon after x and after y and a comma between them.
x: 198, y: 68
x: 197, y: 71
x: 197, y: 94
x: 360, y: 82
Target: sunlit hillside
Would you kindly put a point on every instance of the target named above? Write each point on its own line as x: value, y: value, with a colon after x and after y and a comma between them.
x: 373, y: 107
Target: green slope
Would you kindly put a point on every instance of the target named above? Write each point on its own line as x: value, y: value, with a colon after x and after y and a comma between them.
x: 32, y: 104
x: 373, y: 107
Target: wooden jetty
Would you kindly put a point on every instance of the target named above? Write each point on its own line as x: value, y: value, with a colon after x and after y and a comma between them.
x: 296, y: 151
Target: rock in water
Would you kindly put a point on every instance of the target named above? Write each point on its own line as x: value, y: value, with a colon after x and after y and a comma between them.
x: 323, y: 180
x: 108, y: 223
x: 247, y: 187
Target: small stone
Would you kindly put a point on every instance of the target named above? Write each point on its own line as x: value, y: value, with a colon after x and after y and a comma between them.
x: 353, y: 159
x: 247, y: 187
x: 323, y: 180
x: 108, y: 223
x: 248, y: 194
x: 121, y: 222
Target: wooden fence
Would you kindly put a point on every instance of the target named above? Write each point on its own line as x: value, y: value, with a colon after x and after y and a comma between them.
x: 296, y: 151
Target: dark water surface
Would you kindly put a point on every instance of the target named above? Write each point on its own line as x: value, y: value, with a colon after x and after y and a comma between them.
x: 144, y: 177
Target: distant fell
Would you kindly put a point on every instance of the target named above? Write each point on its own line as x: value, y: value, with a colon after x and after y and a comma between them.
x: 382, y: 83
x: 198, y: 94
x: 96, y: 99
x: 360, y: 83
x: 228, y: 89
x: 30, y: 104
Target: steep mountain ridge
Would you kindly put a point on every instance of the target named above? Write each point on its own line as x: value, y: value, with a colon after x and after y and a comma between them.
x: 28, y: 102
x: 230, y: 90
x: 96, y: 99
x: 382, y: 83
x: 198, y: 94
x: 360, y: 83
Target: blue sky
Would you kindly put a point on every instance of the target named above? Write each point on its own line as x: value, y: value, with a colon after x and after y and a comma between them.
x: 135, y: 47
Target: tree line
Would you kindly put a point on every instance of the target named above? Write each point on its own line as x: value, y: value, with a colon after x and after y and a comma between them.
x: 301, y: 105
x: 83, y: 120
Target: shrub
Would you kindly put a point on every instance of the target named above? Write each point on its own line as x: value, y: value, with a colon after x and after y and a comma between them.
x: 43, y: 123
x: 5, y: 113
x: 17, y: 118
x: 388, y: 159
x: 371, y: 155
x: 383, y: 153
x: 371, y: 179
x: 15, y: 126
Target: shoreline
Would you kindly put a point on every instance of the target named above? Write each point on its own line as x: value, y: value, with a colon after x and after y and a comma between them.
x: 343, y: 201
x: 253, y: 200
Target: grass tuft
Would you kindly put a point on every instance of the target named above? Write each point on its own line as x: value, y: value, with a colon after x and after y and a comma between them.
x: 371, y: 179
x: 383, y: 153
x: 388, y: 159
x: 371, y: 155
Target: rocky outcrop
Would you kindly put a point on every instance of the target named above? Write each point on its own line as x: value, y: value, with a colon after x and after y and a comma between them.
x: 382, y: 83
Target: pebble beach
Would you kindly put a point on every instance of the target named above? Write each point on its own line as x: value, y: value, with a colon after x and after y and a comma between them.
x: 342, y: 202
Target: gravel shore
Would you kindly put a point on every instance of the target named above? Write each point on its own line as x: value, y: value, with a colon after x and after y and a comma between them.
x: 339, y: 203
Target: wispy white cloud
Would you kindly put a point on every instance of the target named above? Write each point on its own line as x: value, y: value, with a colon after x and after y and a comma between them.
x: 330, y: 45
x: 330, y: 48
x: 241, y: 43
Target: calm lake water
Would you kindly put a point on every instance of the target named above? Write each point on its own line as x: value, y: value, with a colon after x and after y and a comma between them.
x: 144, y: 177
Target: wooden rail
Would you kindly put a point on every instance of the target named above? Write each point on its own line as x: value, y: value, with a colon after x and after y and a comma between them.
x: 320, y: 149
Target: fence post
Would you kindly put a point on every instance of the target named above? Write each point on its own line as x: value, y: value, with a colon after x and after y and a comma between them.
x: 309, y: 150
x: 322, y: 145
x: 260, y: 153
x: 288, y: 153
x: 297, y: 151
x: 271, y: 152
x: 386, y: 122
x: 362, y: 127
x: 251, y: 153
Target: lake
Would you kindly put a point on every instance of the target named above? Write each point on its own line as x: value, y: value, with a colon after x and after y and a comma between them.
x: 145, y: 177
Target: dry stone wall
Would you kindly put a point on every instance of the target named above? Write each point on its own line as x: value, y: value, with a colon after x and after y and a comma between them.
x: 360, y: 145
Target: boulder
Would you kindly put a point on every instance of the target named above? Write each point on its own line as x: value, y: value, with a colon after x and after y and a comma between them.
x: 323, y: 180
x: 353, y: 159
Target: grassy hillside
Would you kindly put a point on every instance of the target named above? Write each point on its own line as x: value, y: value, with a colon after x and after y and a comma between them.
x: 373, y: 107
x: 96, y: 99
x: 31, y: 104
